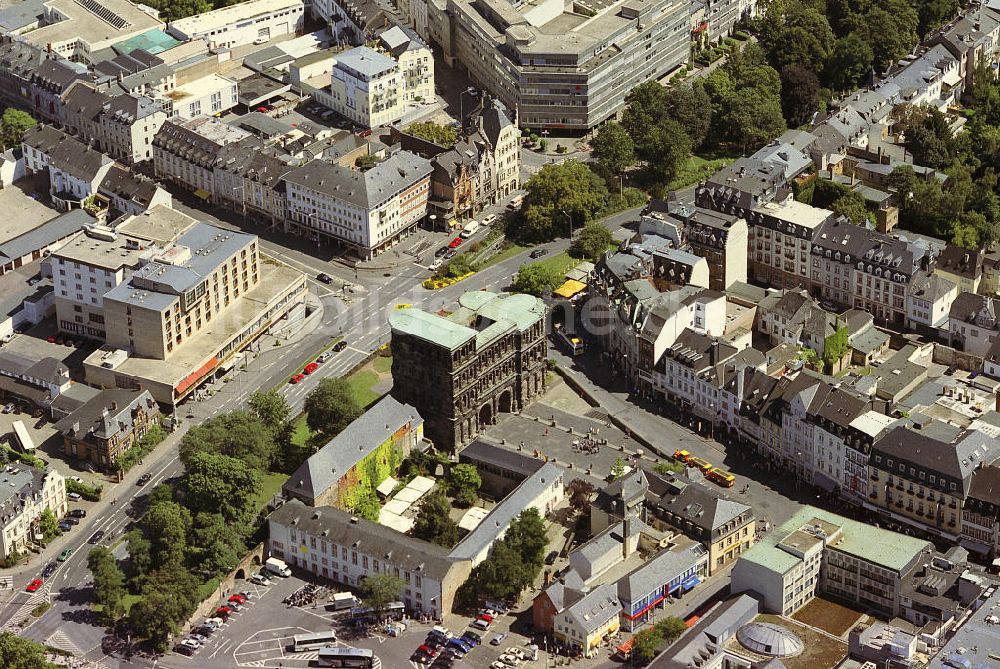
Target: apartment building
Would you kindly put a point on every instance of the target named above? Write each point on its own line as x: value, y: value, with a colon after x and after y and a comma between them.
x: 366, y: 87
x: 366, y: 211
x: 416, y: 62
x: 781, y: 239
x: 861, y: 435
x: 461, y: 371
x: 673, y: 268
x: 25, y: 492
x: 248, y: 180
x: 75, y: 170
x: 973, y: 323
x: 818, y: 552
x: 107, y: 425
x: 186, y: 152
x: 335, y: 545
x: 920, y: 473
x: 981, y: 513
x: 211, y: 94
x: 722, y: 240
x: 248, y: 23
x: 928, y: 301
x: 121, y: 126
x: 558, y: 67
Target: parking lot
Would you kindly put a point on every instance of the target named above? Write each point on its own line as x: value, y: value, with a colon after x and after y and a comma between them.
x: 260, y: 635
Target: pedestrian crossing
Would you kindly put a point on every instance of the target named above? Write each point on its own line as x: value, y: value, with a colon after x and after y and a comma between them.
x: 24, y: 611
x: 59, y: 640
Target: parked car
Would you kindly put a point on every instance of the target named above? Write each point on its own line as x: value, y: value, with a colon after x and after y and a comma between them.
x: 489, y: 219
x: 223, y: 612
x: 324, y: 356
x: 481, y: 623
x: 497, y: 639
x: 184, y: 650
x: 65, y: 525
x: 340, y: 346
x: 295, y: 379
x: 200, y: 638
x: 34, y: 585
x: 427, y: 650
x: 538, y: 253
x: 238, y: 598
x: 260, y: 579
x: 455, y: 243
x: 310, y: 368
x: 551, y: 557
x: 214, y: 623
x: 191, y: 643
x: 78, y: 513
x: 74, y: 496
x: 64, y: 555
x: 144, y: 479
x: 96, y: 537
x: 437, y: 254
x: 324, y: 277
x: 436, y: 264
x: 469, y: 634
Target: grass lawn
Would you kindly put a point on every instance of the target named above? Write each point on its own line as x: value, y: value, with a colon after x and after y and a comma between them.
x: 270, y: 485
x: 128, y: 600
x: 696, y: 169
x: 300, y: 431
x: 828, y: 616
x: 506, y: 253
x: 820, y: 650
x: 361, y: 383
x: 382, y: 364
x: 559, y: 263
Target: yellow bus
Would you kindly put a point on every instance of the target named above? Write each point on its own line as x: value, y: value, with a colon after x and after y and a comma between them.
x: 722, y: 477
x: 704, y: 465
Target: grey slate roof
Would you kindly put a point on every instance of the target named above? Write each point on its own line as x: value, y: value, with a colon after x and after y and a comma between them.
x: 595, y: 608
x: 707, y: 509
x: 128, y: 185
x: 66, y: 152
x: 364, y: 61
x: 709, y: 635
x: 327, y: 465
x: 656, y: 572
x: 45, y: 234
x: 364, y: 536
x: 480, y: 451
x: 365, y: 189
x: 97, y: 416
x: 18, y: 483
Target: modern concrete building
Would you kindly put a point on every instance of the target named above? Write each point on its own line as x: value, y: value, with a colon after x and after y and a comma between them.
x: 820, y: 552
x: 364, y: 210
x: 242, y: 24
x: 25, y: 492
x: 366, y: 87
x: 104, y: 428
x: 339, y: 472
x: 416, y: 62
x: 459, y: 371
x: 561, y: 68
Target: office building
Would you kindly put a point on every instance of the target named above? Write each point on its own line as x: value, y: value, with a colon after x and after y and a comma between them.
x: 366, y: 87
x: 242, y: 24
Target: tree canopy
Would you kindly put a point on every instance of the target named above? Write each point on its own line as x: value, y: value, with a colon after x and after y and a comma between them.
x: 19, y: 653
x: 380, y: 590
x: 613, y: 148
x: 463, y: 484
x: 109, y: 583
x: 442, y: 135
x: 330, y: 407
x: 13, y: 125
x: 433, y: 522
x: 238, y: 434
x: 559, y: 196
x: 592, y: 242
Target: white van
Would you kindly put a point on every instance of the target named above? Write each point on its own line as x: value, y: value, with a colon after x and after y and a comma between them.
x: 278, y: 567
x: 471, y: 228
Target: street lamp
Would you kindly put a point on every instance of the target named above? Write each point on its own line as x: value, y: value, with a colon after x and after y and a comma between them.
x: 569, y: 220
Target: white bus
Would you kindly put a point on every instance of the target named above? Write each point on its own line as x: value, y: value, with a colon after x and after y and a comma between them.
x: 315, y: 641
x: 360, y: 658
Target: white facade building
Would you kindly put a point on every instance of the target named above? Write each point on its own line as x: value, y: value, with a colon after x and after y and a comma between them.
x: 25, y: 493
x: 212, y: 94
x: 75, y: 170
x: 243, y: 23
x: 366, y: 87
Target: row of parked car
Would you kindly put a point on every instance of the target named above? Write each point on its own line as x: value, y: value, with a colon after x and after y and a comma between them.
x: 200, y: 635
x: 441, y: 648
x: 313, y: 366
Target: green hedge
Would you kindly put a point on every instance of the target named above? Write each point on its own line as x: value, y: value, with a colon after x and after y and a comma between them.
x: 89, y: 493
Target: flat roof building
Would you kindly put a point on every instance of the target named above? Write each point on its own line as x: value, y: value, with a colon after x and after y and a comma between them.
x: 241, y: 24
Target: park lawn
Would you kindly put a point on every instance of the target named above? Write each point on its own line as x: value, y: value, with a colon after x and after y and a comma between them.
x: 696, y: 169
x: 128, y: 601
x: 382, y: 364
x: 560, y: 263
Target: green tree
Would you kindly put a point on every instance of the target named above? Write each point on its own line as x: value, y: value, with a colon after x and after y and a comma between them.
x: 238, y: 434
x: 668, y: 148
x: 799, y: 94
x: 171, y: 10
x: 853, y: 206
x: 48, y: 524
x: 754, y: 120
x: 931, y: 141
x: 169, y: 596
x: 526, y: 535
x: 933, y: 13
x: 330, y: 407
x: 220, y: 484
x: 617, y: 469
x: 19, y: 653
x: 13, y: 125
x: 645, y: 107
x: 670, y: 628
x: 613, y: 148
x: 566, y: 194
x: 380, y: 590
x: 849, y: 63
x: 691, y: 107
x: 463, y: 484
x: 216, y: 545
x: 109, y: 583
x: 434, y: 523
x: 835, y: 347
x: 535, y: 279
x: 646, y: 645
x: 592, y: 242
x: 891, y: 32
x: 503, y: 575
x: 166, y: 526
x: 140, y: 559
x: 579, y: 492
x: 271, y: 408
x: 442, y: 135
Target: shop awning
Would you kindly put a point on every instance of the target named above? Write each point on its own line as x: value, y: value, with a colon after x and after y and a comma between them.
x: 690, y: 582
x: 570, y: 288
x: 202, y: 193
x: 626, y: 647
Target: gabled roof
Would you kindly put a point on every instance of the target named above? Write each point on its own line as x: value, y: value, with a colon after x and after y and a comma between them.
x: 365, y: 189
x: 334, y: 459
x: 66, y: 153
x: 107, y: 414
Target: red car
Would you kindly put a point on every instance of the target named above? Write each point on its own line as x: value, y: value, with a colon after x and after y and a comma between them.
x: 296, y: 378
x: 427, y: 650
x: 223, y: 612
x: 239, y: 599
x: 310, y: 368
x: 34, y: 585
x: 455, y: 243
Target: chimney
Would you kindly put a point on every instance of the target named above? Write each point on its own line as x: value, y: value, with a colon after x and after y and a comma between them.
x: 626, y: 531
x: 114, y: 406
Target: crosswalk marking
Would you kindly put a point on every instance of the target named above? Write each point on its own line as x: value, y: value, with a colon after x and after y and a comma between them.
x: 59, y: 640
